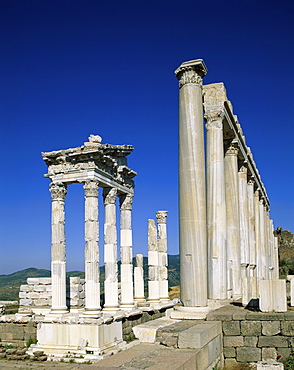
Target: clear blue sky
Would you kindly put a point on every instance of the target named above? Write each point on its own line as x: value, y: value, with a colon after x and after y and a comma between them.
x: 69, y: 68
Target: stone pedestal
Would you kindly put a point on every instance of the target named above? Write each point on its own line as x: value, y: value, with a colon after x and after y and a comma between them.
x: 192, y: 197
x: 92, y: 278
x: 272, y: 295
x: 110, y: 251
x: 127, y: 294
x: 58, y: 254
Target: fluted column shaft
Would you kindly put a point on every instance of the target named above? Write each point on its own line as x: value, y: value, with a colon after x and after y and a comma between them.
x: 251, y: 229
x: 127, y: 288
x: 257, y: 233
x: 233, y: 223
x: 192, y: 197
x: 216, y: 207
x: 161, y: 217
x: 110, y: 250
x: 92, y: 278
x: 244, y: 234
x: 263, y: 256
x: 266, y: 241
x: 58, y: 253
x: 139, y: 279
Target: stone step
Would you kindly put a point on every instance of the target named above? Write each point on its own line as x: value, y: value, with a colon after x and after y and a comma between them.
x: 146, y: 333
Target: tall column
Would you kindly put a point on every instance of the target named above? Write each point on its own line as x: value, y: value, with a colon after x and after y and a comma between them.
x: 251, y: 229
x: 92, y: 278
x: 162, y: 255
x: 153, y: 260
x: 192, y: 196
x: 262, y: 250
x: 244, y: 235
x: 126, y: 254
x: 266, y: 242
x: 110, y: 250
x: 58, y: 256
x: 276, y: 258
x: 216, y: 207
x: 233, y: 222
x: 257, y: 232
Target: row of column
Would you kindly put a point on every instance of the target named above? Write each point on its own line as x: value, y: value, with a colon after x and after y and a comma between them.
x: 226, y: 234
x: 92, y: 279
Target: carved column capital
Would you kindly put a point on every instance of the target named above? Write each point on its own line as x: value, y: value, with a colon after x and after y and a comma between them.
x: 91, y: 188
x: 58, y: 190
x: 191, y: 72
x: 243, y: 169
x: 126, y: 202
x: 251, y: 182
x: 161, y: 217
x: 232, y: 148
x: 109, y: 195
x: 214, y: 119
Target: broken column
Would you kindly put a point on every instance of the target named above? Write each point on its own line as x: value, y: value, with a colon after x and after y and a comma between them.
x: 153, y: 259
x: 92, y: 278
x: 127, y: 295
x: 139, y: 279
x: 110, y: 250
x: 162, y: 255
x: 192, y: 195
x: 58, y: 254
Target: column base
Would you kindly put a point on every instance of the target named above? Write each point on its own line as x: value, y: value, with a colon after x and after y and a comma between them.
x: 127, y: 306
x: 190, y: 313
x: 110, y: 309
x: 58, y: 311
x: 92, y: 312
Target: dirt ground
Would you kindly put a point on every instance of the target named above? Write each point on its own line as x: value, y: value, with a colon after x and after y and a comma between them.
x: 47, y: 365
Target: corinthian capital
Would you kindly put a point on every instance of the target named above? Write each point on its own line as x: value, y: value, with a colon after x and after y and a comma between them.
x: 232, y: 148
x: 126, y: 202
x: 191, y: 72
x: 58, y: 191
x: 161, y: 217
x: 91, y: 188
x: 214, y: 119
x: 109, y: 195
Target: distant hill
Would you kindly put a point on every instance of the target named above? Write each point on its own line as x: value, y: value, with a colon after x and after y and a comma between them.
x: 9, y: 284
x: 286, y: 251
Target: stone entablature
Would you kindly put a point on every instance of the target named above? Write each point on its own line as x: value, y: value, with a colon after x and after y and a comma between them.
x: 105, y: 163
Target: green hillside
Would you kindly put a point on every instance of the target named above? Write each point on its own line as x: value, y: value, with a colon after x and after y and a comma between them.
x: 9, y: 284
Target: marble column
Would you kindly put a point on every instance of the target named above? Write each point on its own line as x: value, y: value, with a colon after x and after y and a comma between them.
x: 153, y: 264
x: 216, y: 206
x: 251, y: 229
x: 262, y: 251
x: 139, y: 280
x: 161, y: 217
x: 110, y: 250
x: 58, y: 253
x: 276, y: 258
x: 266, y: 241
x: 257, y: 232
x: 244, y: 234
x: 232, y: 216
x: 126, y: 254
x: 92, y: 276
x: 192, y: 194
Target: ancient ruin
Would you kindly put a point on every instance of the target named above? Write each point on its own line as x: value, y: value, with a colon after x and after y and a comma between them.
x: 228, y: 250
x: 227, y: 242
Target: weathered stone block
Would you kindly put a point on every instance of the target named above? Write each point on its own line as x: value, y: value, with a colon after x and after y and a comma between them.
x: 246, y: 354
x: 33, y: 295
x: 250, y: 341
x: 231, y: 363
x: 25, y: 302
x: 251, y: 328
x: 271, y: 328
x: 33, y: 281
x: 259, y: 316
x: 288, y: 328
x: 229, y: 352
x: 269, y: 365
x: 231, y: 327
x: 199, y: 335
x: 268, y: 354
x: 233, y: 341
x: 22, y: 295
x: 284, y: 353
x: 276, y: 341
x: 26, y: 288
x: 45, y: 280
x: 39, y: 288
